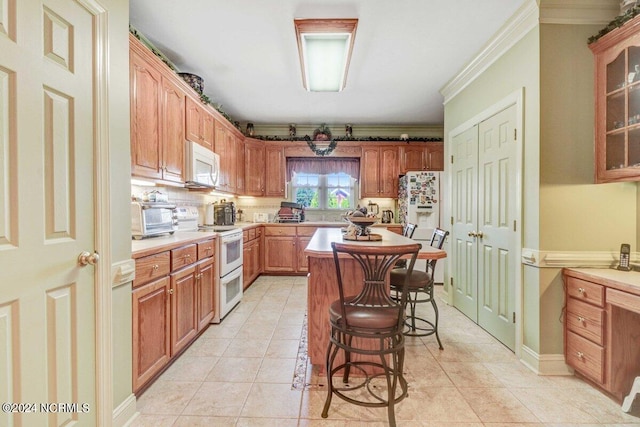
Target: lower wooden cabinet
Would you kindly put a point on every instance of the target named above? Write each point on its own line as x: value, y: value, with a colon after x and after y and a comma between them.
x: 151, y: 332
x: 170, y: 308
x: 280, y: 254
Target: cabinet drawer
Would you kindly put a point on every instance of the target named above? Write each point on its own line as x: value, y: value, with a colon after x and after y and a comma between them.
x: 183, y: 256
x: 259, y: 232
x: 622, y: 299
x: 206, y: 249
x: 306, y: 231
x: 280, y: 231
x: 585, y: 320
x: 585, y: 357
x: 585, y: 291
x: 245, y: 236
x: 151, y: 267
x: 252, y: 233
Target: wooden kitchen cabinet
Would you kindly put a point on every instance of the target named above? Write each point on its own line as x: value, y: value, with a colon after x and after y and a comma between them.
x: 240, y: 165
x: 602, y: 327
x: 379, y: 171
x: 200, y: 124
x: 252, y: 255
x: 151, y: 330
x: 421, y: 157
x: 275, y: 171
x: 173, y: 300
x: 254, y: 168
x: 617, y: 92
x: 280, y: 251
x: 157, y: 120
x: 225, y: 146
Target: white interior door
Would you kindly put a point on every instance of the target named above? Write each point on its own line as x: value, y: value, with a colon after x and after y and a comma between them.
x: 464, y: 175
x: 47, y: 307
x: 496, y: 235
x: 484, y: 210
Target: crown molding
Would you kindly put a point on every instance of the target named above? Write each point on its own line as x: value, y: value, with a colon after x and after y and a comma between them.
x: 531, y: 14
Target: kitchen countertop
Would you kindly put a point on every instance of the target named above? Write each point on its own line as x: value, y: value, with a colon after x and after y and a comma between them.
x: 623, y: 280
x: 151, y: 245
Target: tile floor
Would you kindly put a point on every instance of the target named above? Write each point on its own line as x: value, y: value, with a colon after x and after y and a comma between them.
x: 240, y: 373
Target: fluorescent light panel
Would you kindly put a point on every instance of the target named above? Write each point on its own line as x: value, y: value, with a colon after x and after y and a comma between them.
x: 325, y: 46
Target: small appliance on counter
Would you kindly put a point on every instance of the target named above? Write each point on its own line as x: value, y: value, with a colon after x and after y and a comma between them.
x: 260, y: 217
x: 221, y: 213
x: 387, y: 217
x: 152, y: 219
x: 290, y: 212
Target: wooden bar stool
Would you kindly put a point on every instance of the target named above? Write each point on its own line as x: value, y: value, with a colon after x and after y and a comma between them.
x: 376, y: 322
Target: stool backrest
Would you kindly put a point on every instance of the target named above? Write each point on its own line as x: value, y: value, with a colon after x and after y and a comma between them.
x: 408, y: 230
x: 437, y: 241
x: 375, y: 262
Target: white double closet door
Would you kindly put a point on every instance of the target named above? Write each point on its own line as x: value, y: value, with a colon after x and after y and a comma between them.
x: 484, y: 178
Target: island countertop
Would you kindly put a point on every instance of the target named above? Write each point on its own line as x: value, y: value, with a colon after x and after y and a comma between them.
x: 320, y: 244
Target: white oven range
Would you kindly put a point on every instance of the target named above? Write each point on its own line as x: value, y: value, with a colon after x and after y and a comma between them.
x: 229, y: 258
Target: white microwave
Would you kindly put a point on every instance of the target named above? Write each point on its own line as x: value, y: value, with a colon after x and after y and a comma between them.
x: 202, y: 166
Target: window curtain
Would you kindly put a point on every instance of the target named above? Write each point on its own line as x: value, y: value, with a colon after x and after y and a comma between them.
x: 350, y: 166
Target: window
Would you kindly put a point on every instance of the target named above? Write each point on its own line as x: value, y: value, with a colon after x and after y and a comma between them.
x: 331, y: 191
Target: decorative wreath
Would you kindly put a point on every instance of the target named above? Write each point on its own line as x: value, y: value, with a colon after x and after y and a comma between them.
x: 321, y: 134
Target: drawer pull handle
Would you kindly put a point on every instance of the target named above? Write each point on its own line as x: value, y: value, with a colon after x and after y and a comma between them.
x: 581, y: 290
x: 581, y: 319
x: 170, y: 291
x: 155, y: 266
x: 580, y: 355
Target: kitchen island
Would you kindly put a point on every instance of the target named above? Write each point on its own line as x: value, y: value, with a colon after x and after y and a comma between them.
x: 322, y: 287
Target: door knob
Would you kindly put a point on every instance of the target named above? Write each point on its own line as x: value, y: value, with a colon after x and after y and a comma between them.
x: 86, y: 258
x: 472, y: 234
x: 480, y: 234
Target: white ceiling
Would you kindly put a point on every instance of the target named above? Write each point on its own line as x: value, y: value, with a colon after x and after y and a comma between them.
x: 405, y: 51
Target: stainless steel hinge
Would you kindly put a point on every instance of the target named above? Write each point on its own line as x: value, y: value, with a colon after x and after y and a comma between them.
x: 515, y: 134
x: 514, y: 317
x: 451, y: 281
x: 451, y: 220
x: 514, y: 225
x: 452, y: 159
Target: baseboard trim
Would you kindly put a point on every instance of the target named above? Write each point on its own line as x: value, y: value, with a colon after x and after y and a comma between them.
x: 545, y: 364
x: 125, y: 413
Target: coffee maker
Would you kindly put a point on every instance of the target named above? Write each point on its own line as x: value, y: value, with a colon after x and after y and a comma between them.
x: 387, y: 216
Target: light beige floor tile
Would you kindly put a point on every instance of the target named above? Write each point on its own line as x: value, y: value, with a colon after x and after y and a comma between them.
x: 470, y: 374
x: 497, y: 405
x: 552, y: 405
x: 223, y: 330
x: 235, y: 369
x: 201, y: 421
x: 189, y: 368
x: 167, y: 397
x: 272, y: 401
x: 287, y: 333
x: 208, y: 347
x: 144, y: 420
x: 444, y: 404
x: 267, y: 422
x: 283, y: 348
x: 276, y: 371
x: 218, y: 399
x: 515, y: 375
x: 256, y: 330
x: 321, y: 423
x: 247, y: 348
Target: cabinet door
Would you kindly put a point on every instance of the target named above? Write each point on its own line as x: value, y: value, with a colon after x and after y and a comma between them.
x: 370, y: 172
x: 221, y: 149
x: 434, y: 157
x: 150, y: 330
x: 193, y: 121
x: 274, y: 171
x: 240, y: 165
x: 412, y: 158
x: 254, y: 170
x: 205, y: 275
x: 208, y: 130
x: 230, y: 163
x: 388, y: 172
x: 280, y: 254
x: 184, y: 308
x: 247, y: 266
x: 145, y: 99
x: 173, y: 135
x: 303, y: 262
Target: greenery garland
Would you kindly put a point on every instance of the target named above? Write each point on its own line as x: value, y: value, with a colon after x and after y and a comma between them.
x: 618, y: 22
x: 321, y: 151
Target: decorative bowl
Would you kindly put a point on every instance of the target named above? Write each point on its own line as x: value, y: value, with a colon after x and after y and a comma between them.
x: 195, y: 81
x: 362, y: 224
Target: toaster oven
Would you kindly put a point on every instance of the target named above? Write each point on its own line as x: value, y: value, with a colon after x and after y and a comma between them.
x: 152, y: 219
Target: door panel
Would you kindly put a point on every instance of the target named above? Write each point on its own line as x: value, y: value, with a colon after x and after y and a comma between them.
x: 497, y: 192
x: 47, y: 314
x: 464, y: 175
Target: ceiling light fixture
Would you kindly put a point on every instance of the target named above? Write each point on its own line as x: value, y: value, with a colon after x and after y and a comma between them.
x: 325, y: 47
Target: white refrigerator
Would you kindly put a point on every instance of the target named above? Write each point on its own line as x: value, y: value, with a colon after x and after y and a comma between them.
x: 420, y: 203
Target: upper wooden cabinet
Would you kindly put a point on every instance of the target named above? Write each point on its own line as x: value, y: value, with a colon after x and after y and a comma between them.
x: 240, y: 165
x: 617, y: 80
x: 157, y: 121
x: 422, y: 157
x: 275, y: 171
x: 254, y: 167
x: 379, y: 171
x: 200, y: 124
